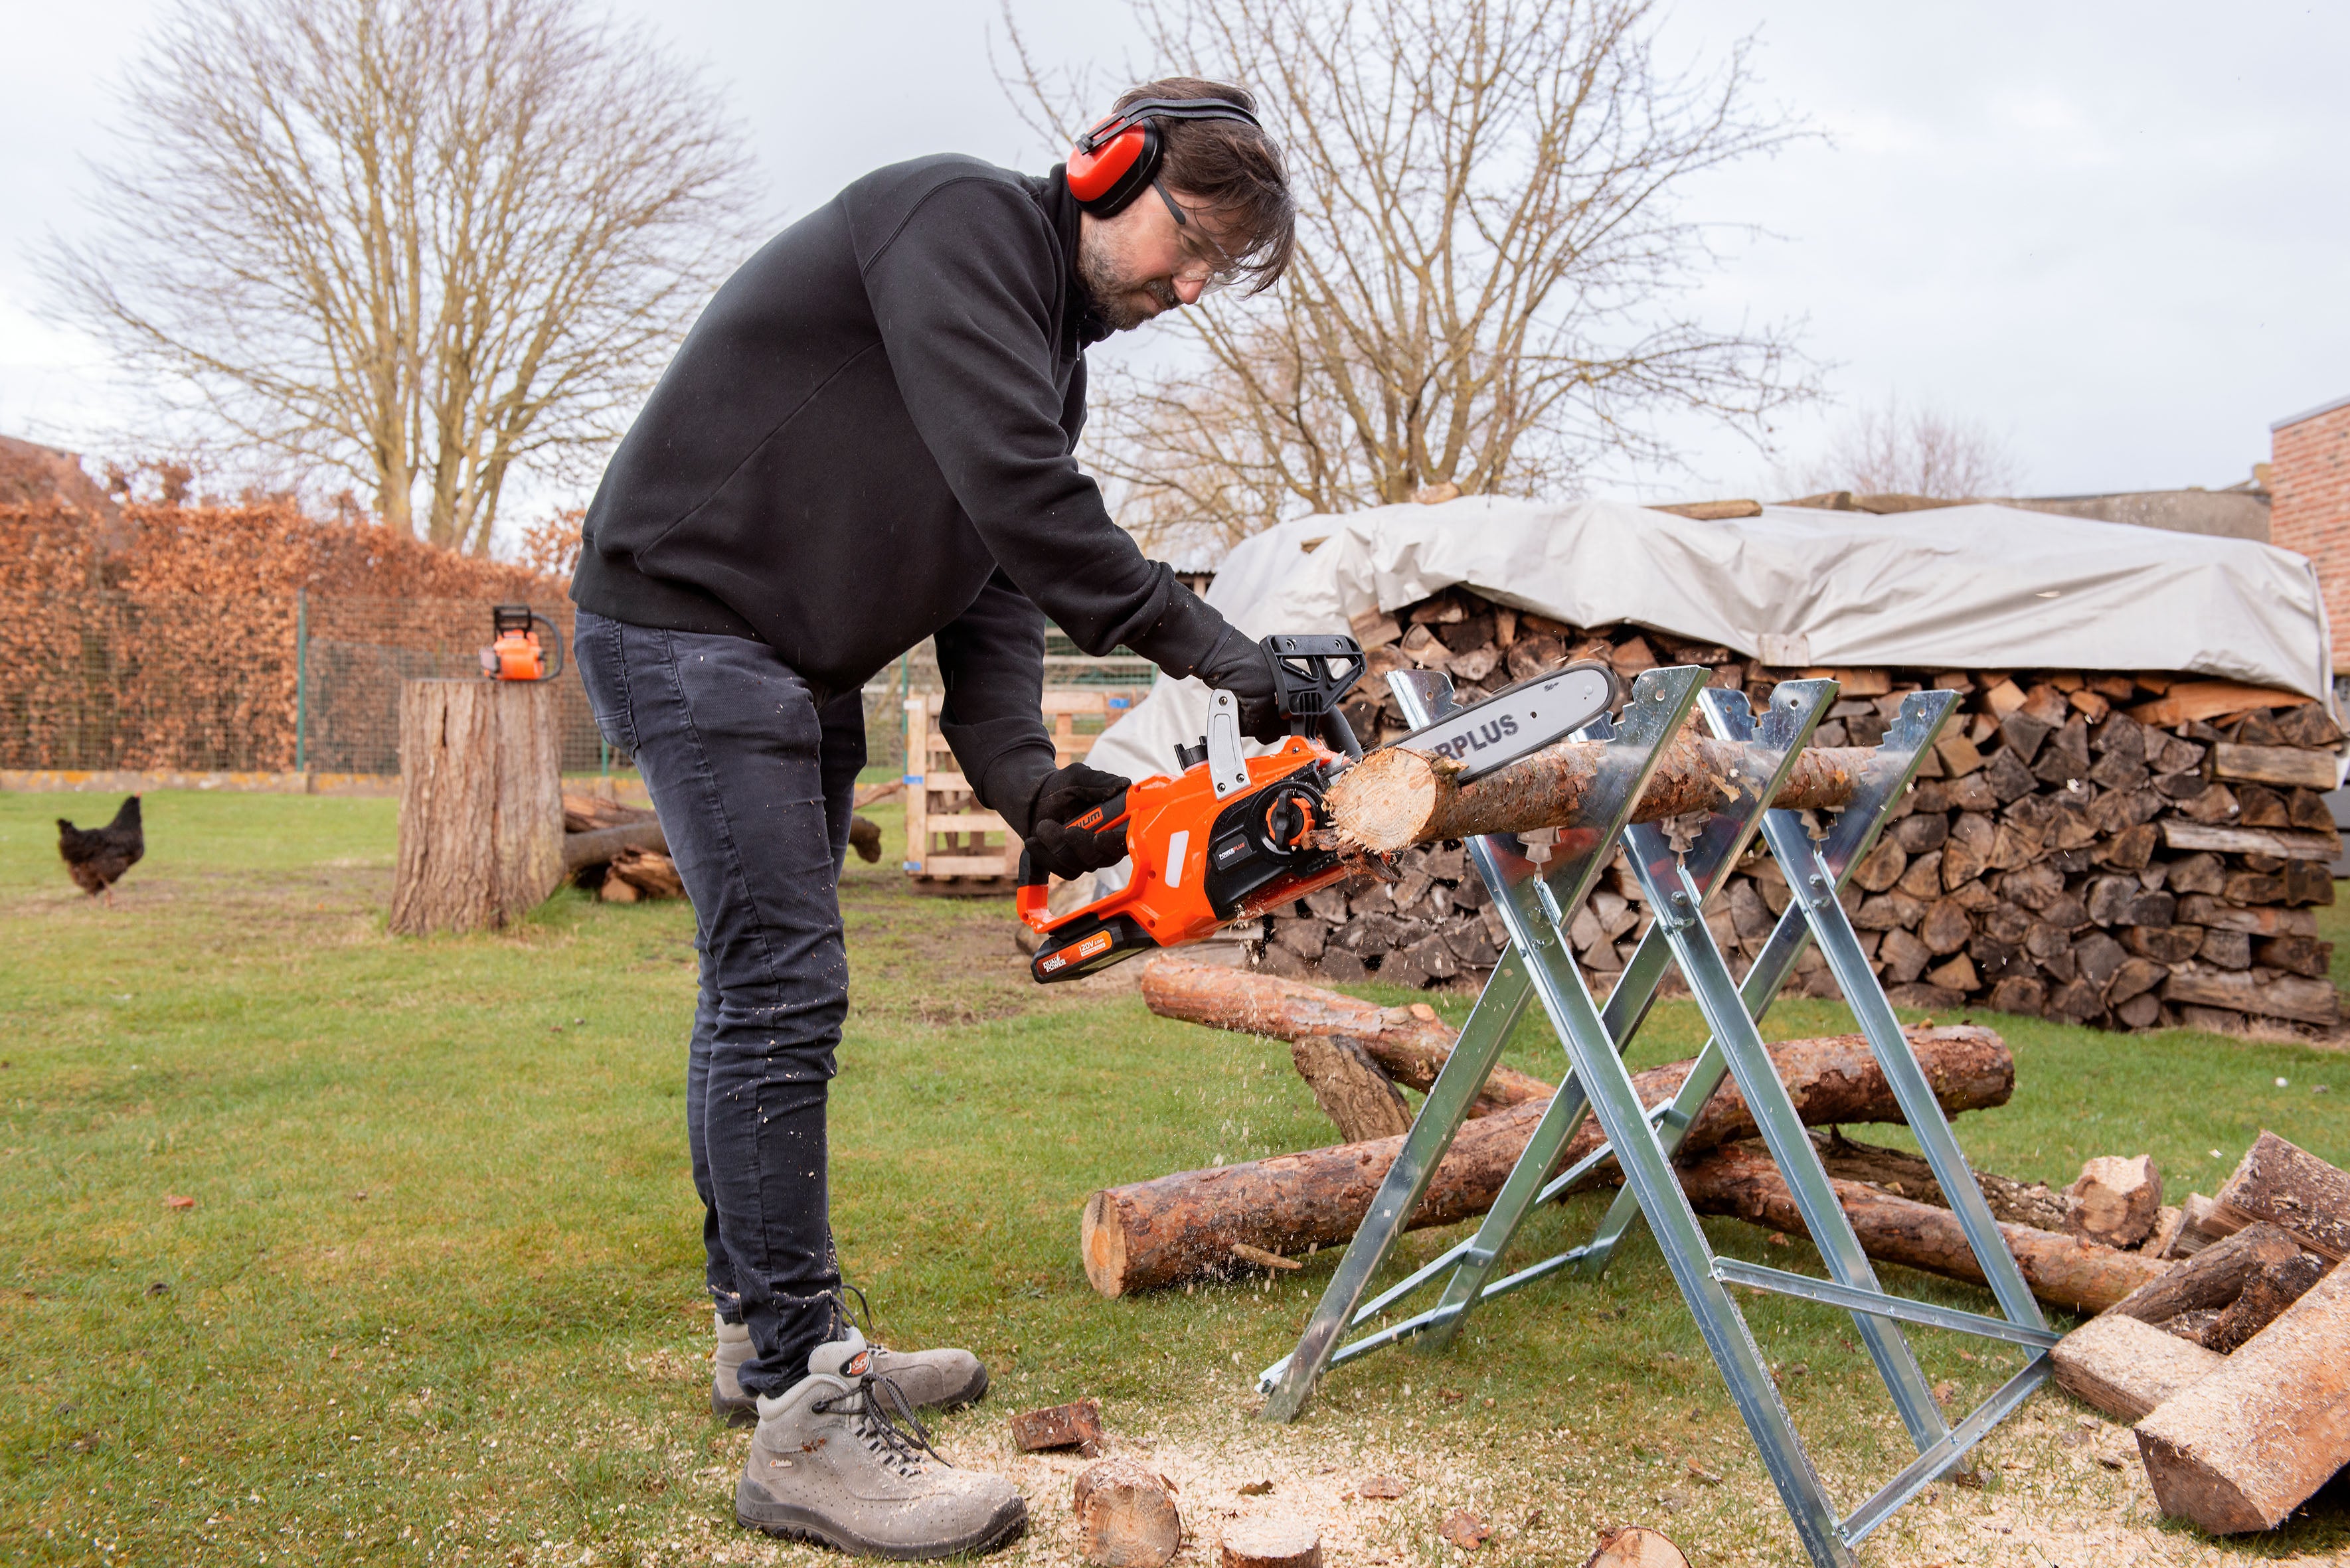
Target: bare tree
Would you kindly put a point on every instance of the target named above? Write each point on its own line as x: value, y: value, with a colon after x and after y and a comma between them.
x: 1492, y: 232
x: 423, y: 242
x: 1886, y: 449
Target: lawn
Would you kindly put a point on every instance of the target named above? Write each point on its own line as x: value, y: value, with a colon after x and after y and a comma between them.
x: 437, y: 1298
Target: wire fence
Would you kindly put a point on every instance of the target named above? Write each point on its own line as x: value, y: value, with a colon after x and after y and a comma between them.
x: 272, y: 683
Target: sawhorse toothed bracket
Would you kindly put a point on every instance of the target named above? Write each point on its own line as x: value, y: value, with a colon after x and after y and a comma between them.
x: 1538, y: 888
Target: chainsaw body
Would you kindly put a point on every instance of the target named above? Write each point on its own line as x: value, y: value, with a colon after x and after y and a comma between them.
x: 1225, y: 839
x: 517, y: 652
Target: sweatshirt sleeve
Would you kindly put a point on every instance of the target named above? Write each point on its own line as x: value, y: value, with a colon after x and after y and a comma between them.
x: 964, y: 296
x: 991, y: 658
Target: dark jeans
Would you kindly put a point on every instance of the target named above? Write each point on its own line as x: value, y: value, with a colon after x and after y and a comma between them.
x: 752, y: 782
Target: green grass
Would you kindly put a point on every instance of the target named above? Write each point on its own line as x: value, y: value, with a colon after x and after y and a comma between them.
x: 438, y: 1298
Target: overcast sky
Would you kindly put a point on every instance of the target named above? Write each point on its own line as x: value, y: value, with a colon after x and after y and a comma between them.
x: 2114, y: 235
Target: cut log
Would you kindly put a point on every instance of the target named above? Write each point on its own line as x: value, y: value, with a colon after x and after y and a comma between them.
x: 1635, y: 1546
x: 2266, y: 1296
x: 652, y: 874
x: 2210, y: 1279
x: 598, y: 844
x: 2116, y: 1200
x: 2124, y: 1366
x: 2283, y: 843
x: 1150, y: 1235
x: 1397, y: 797
x: 1351, y: 1090
x: 1126, y: 1516
x: 1907, y: 1174
x: 2292, y: 1189
x: 2304, y: 1001
x: 481, y: 804
x: 2193, y: 700
x: 2246, y: 1445
x: 588, y: 813
x: 1076, y: 1426
x: 2273, y: 765
x: 2196, y: 1229
x: 1410, y: 1044
x: 1271, y: 1544
x: 2068, y: 1271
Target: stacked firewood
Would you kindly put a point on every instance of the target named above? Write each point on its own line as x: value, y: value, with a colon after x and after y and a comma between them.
x: 2234, y: 1366
x: 2129, y: 850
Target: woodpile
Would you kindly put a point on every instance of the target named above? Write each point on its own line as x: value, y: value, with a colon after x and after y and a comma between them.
x: 1199, y: 1224
x: 2235, y: 1364
x: 2130, y: 850
x: 615, y: 851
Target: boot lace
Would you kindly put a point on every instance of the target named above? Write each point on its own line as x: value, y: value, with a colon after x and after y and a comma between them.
x: 874, y: 1409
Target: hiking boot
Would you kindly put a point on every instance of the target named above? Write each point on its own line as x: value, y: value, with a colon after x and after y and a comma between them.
x: 939, y: 1379
x: 842, y: 1459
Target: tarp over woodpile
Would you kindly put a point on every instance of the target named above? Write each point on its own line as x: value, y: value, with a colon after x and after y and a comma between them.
x: 1960, y: 588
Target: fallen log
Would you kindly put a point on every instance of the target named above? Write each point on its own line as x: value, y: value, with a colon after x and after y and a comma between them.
x: 2292, y: 1188
x: 2067, y: 1271
x: 2125, y: 1368
x: 1397, y: 797
x: 1410, y: 1044
x: 2249, y: 1444
x: 1907, y: 1174
x: 600, y: 845
x: 1149, y: 1234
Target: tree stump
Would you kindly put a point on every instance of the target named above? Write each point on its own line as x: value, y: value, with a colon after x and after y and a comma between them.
x: 481, y: 804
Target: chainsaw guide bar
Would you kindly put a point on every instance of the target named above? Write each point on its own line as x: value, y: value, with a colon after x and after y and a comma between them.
x: 1518, y: 721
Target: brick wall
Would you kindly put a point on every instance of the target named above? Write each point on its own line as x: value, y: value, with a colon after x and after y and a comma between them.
x: 2309, y: 478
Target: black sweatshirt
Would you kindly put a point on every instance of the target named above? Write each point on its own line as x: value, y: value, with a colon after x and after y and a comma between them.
x: 866, y: 440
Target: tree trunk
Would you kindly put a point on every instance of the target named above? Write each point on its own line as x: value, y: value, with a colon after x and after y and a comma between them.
x: 481, y: 804
x: 1409, y: 1043
x: 2063, y: 1270
x: 2249, y: 1444
x: 1397, y: 797
x: 1149, y: 1234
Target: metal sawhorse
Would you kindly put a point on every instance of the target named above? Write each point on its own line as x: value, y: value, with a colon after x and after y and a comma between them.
x: 1538, y: 889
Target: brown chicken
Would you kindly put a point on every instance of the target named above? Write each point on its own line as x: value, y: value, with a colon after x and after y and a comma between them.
x: 95, y: 857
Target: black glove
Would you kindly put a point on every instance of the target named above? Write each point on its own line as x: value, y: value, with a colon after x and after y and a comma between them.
x: 1067, y: 793
x: 1241, y: 667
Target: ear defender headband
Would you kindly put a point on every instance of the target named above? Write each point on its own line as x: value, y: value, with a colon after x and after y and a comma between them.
x: 1117, y: 161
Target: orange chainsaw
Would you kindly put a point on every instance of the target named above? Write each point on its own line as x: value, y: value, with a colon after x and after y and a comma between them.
x: 1229, y: 838
x: 517, y: 652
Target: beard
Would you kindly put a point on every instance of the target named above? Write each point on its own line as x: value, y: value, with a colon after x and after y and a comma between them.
x: 1110, y: 293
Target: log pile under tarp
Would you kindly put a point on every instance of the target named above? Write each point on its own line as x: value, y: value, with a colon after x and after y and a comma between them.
x: 2128, y: 849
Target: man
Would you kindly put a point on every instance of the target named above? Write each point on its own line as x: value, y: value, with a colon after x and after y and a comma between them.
x: 865, y: 441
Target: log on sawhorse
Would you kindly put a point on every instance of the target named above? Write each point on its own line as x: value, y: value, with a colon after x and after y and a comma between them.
x: 1539, y: 881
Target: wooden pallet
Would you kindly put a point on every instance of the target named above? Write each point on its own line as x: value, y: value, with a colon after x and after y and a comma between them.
x: 954, y: 844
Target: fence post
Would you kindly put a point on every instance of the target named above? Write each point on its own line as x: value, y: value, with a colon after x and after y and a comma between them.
x: 301, y: 679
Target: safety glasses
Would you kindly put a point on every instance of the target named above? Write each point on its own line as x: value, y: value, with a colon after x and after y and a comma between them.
x: 1203, y: 258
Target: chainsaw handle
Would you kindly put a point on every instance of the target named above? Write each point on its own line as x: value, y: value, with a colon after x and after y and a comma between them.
x: 1310, y: 673
x: 552, y: 646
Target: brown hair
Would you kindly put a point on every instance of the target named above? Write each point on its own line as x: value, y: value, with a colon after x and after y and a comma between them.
x: 1232, y: 168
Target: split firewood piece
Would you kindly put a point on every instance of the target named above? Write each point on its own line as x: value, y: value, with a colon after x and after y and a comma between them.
x: 1076, y: 1426
x: 1397, y: 797
x: 2200, y: 1223
x: 2068, y: 1271
x: 2266, y: 1296
x: 2125, y: 1368
x: 1907, y: 1174
x: 1271, y: 1544
x: 1182, y: 1227
x: 2116, y: 1200
x: 2290, y: 1188
x: 1355, y: 1094
x: 1127, y: 1516
x: 1410, y: 1044
x: 2213, y: 1278
x: 2249, y: 1444
x: 1635, y: 1546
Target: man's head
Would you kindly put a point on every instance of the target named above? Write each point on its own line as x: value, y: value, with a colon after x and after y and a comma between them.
x: 1218, y: 211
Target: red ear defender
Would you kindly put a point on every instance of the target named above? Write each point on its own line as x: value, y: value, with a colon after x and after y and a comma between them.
x: 1119, y: 166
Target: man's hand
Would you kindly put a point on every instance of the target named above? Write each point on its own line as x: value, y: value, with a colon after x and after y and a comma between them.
x: 1063, y: 794
x: 1238, y: 665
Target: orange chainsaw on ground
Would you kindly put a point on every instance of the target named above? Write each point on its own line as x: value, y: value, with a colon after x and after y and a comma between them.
x: 1228, y: 836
